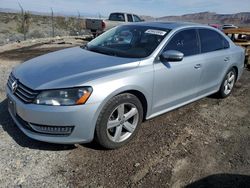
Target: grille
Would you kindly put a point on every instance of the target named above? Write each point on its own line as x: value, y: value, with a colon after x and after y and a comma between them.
x: 22, y: 92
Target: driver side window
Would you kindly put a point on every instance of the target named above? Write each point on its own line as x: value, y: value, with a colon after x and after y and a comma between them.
x: 185, y: 41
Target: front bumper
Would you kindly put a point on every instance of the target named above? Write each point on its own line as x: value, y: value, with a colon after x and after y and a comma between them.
x: 82, y: 117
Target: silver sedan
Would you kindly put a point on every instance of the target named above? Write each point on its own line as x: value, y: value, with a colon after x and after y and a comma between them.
x: 129, y: 74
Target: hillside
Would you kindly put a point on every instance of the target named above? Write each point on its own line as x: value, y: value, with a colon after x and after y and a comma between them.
x: 239, y: 19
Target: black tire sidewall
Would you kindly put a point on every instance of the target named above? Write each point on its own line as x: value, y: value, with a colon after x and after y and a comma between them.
x: 101, y: 126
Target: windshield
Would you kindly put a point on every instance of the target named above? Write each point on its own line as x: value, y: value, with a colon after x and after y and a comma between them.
x: 128, y: 41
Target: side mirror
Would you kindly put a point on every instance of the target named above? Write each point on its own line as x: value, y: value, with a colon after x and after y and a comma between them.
x: 171, y: 55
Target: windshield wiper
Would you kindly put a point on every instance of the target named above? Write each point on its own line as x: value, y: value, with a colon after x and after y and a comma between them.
x: 101, y: 51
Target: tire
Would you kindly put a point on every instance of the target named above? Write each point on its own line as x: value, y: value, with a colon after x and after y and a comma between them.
x: 94, y: 33
x: 227, y: 84
x: 248, y: 63
x: 119, y: 121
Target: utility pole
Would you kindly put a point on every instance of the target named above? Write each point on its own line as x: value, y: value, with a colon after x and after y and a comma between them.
x: 79, y: 22
x: 22, y: 11
x: 52, y: 23
x: 23, y: 27
x: 99, y: 15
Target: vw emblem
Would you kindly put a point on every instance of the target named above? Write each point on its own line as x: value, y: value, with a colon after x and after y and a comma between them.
x: 14, y: 86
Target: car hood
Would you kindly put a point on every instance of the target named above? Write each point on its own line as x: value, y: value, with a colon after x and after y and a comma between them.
x: 69, y: 68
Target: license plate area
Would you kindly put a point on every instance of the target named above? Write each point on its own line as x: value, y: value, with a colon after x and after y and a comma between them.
x: 12, y: 106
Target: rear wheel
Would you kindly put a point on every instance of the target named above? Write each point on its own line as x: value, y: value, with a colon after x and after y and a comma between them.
x: 248, y: 62
x: 227, y: 84
x: 94, y: 33
x: 119, y: 121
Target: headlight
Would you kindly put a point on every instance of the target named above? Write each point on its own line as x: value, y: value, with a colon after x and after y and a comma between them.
x: 64, y: 97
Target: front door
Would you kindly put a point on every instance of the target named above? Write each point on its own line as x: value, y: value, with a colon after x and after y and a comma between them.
x: 177, y: 82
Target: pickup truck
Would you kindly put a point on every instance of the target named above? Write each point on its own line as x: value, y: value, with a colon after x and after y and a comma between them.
x: 98, y: 26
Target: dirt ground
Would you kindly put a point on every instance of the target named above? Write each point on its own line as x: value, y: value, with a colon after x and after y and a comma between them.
x: 204, y: 144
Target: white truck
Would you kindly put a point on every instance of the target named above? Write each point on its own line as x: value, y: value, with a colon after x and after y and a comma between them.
x: 98, y: 26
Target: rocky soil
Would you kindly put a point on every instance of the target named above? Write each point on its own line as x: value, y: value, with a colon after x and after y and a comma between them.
x: 204, y: 144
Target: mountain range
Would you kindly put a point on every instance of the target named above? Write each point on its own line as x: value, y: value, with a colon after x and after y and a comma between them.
x: 239, y: 19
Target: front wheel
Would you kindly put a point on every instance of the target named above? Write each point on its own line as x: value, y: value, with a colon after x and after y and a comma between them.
x: 119, y: 121
x: 227, y: 84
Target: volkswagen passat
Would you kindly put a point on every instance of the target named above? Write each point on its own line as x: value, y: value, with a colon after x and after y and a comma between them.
x: 131, y: 73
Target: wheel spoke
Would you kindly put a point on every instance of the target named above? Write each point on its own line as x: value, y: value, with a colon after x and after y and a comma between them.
x: 225, y: 83
x: 226, y: 88
x: 231, y: 78
x: 120, y: 110
x: 230, y: 86
x: 130, y: 114
x: 129, y: 127
x: 113, y: 123
x: 118, y: 133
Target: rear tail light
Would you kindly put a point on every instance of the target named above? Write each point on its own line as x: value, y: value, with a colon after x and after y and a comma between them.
x: 103, y: 25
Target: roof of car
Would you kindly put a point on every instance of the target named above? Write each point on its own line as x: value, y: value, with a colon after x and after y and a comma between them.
x: 168, y: 25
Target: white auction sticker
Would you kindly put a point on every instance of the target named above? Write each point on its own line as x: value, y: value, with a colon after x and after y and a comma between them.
x: 155, y: 32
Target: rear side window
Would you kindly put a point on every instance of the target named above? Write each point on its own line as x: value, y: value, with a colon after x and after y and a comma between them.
x: 186, y: 42
x: 136, y: 18
x: 117, y: 17
x: 212, y: 41
x: 130, y: 18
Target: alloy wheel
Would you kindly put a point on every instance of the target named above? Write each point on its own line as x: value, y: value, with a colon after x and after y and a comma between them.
x: 229, y: 82
x: 122, y: 122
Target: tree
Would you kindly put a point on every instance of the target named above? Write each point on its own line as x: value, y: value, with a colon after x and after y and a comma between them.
x: 24, y: 22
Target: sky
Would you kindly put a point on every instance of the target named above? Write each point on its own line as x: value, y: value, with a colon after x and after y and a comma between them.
x: 155, y: 8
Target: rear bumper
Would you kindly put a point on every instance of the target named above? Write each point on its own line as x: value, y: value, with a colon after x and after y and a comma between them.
x: 82, y: 118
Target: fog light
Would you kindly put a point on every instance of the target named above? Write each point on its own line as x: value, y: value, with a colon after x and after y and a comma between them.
x: 55, y: 130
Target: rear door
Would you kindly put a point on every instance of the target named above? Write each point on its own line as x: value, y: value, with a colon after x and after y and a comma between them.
x: 129, y: 18
x: 176, y: 82
x: 215, y: 50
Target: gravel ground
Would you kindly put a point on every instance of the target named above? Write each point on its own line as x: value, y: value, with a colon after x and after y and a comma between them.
x: 204, y: 144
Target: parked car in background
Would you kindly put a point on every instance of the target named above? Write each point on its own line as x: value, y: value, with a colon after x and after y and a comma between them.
x: 228, y: 26
x: 98, y: 26
x: 131, y: 73
x: 217, y: 26
x: 241, y: 37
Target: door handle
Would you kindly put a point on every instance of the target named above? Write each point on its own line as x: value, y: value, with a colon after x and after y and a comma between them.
x: 226, y: 59
x: 197, y: 66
